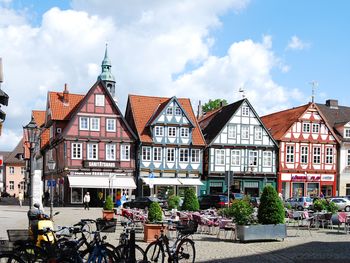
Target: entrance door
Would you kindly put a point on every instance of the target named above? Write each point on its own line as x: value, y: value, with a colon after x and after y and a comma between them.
x: 251, y: 191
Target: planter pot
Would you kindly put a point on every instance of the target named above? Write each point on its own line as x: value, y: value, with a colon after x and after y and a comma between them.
x: 150, y: 231
x: 108, y: 214
x: 261, y: 232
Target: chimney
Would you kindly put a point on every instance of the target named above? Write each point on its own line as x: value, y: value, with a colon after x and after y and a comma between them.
x: 221, y: 104
x: 200, y: 111
x: 65, y: 95
x: 332, y: 104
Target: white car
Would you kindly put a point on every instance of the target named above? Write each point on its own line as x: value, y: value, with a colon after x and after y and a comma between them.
x: 342, y: 203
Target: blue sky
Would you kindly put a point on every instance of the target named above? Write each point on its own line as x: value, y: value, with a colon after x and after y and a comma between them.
x: 198, y: 49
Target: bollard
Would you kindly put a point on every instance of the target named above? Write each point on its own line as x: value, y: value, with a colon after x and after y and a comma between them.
x: 132, y: 246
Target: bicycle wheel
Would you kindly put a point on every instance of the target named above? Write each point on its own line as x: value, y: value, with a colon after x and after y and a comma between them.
x: 185, y: 251
x: 103, y: 254
x: 154, y: 252
x: 123, y: 253
x: 10, y: 258
x: 31, y: 253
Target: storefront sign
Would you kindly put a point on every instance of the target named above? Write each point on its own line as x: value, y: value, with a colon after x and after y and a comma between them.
x: 328, y: 177
x: 99, y: 164
x: 306, y: 177
x: 94, y: 173
x: 298, y: 177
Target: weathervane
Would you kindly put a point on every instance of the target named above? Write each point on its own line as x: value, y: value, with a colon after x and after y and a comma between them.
x: 314, y: 84
x: 242, y: 90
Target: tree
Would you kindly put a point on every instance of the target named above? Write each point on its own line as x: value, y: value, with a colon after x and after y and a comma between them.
x: 271, y: 210
x: 190, y: 201
x: 213, y: 105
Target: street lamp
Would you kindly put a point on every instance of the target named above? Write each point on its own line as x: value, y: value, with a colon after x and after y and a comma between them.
x: 32, y: 131
x: 51, y: 165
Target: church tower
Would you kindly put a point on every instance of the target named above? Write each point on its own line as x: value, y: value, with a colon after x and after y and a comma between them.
x: 106, y: 75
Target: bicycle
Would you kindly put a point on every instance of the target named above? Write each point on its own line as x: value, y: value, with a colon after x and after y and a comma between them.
x: 183, y: 249
x: 10, y: 257
x: 123, y: 250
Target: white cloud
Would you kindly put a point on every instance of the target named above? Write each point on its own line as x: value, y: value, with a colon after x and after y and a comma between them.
x: 9, y: 138
x: 295, y: 43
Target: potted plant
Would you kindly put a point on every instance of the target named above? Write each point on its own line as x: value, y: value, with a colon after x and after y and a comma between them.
x: 108, y: 209
x: 270, y: 219
x: 190, y: 202
x: 173, y: 202
x: 152, y: 227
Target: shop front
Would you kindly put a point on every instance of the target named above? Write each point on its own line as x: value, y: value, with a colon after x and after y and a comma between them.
x: 297, y: 185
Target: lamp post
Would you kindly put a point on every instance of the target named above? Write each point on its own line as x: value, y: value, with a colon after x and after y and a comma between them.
x: 51, y: 165
x: 31, y: 130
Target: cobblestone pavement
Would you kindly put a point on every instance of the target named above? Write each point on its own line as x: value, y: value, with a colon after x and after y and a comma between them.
x: 323, y: 245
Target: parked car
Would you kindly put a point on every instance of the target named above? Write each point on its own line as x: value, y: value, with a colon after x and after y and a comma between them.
x: 342, y: 203
x: 143, y: 202
x: 235, y: 196
x: 212, y: 201
x: 300, y: 203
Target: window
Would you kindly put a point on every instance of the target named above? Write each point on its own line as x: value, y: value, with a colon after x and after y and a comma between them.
x: 306, y: 127
x: 329, y: 155
x: 110, y: 125
x: 267, y: 159
x: 76, y: 150
x: 235, y: 157
x: 110, y: 152
x: 290, y: 154
x: 159, y: 131
x: 12, y: 185
x: 99, y: 100
x: 195, y: 156
x: 258, y: 133
x: 183, y: 155
x: 304, y: 154
x: 94, y: 124
x: 184, y: 132
x: 231, y: 131
x: 253, y: 158
x: 125, y: 152
x: 146, y: 153
x: 23, y: 170
x: 84, y: 123
x: 245, y: 132
x: 157, y: 154
x: 178, y: 111
x: 347, y: 133
x: 348, y: 159
x: 92, y: 151
x: 171, y: 155
x: 315, y: 127
x: 172, y: 131
x: 169, y: 111
x: 317, y: 155
x: 12, y: 170
x: 245, y: 111
x: 220, y: 156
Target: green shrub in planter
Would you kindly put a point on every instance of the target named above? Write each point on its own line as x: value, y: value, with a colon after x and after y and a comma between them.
x: 155, y: 213
x: 271, y: 210
x: 241, y: 210
x: 108, y: 205
x: 190, y: 201
x: 320, y: 205
x: 332, y: 207
x: 173, y: 201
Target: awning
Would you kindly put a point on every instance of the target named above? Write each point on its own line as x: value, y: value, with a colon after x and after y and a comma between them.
x: 102, y: 182
x: 190, y: 181
x: 161, y: 181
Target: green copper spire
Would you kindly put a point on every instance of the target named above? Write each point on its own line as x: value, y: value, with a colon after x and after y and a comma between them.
x: 106, y: 75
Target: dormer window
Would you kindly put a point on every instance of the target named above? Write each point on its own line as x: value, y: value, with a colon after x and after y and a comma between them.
x: 159, y: 131
x: 347, y: 133
x: 169, y: 111
x: 178, y: 111
x: 306, y: 127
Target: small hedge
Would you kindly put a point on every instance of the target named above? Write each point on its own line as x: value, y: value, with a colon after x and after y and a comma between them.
x: 108, y: 205
x: 173, y: 202
x: 190, y: 201
x: 155, y: 213
x: 271, y: 210
x: 241, y: 210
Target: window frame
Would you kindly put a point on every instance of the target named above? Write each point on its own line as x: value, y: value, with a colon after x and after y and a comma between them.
x: 159, y: 131
x: 169, y: 129
x: 11, y: 170
x: 92, y: 119
x: 348, y: 158
x: 253, y: 155
x: 12, y: 185
x: 235, y: 156
x: 329, y: 155
x: 78, y: 146
x: 306, y: 127
x: 245, y: 111
x: 169, y: 111
x: 314, y: 125
x: 232, y: 131
x: 87, y: 122
x: 346, y: 132
x: 258, y: 131
x: 303, y: 154
x: 183, y: 131
x: 170, y: 153
x: 98, y: 99
x: 178, y: 111
x: 92, y: 148
x: 159, y: 154
x: 220, y: 155
x: 316, y: 155
x: 125, y: 152
x: 245, y: 127
x: 195, y: 153
x: 146, y: 153
x: 290, y: 154
x: 114, y: 121
x: 267, y: 158
x: 183, y: 157
x: 110, y: 155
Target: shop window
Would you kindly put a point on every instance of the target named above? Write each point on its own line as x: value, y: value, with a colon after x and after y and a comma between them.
x: 313, y: 189
x: 76, y: 195
x: 298, y: 189
x: 164, y: 191
x: 347, y: 189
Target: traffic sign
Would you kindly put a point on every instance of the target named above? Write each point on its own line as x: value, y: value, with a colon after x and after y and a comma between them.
x: 51, y: 183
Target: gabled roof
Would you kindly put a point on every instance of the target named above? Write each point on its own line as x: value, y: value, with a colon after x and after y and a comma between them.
x: 39, y: 117
x: 217, y: 119
x: 278, y: 123
x: 12, y: 157
x: 145, y: 108
x: 60, y: 110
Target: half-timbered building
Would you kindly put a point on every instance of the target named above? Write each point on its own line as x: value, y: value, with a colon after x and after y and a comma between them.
x: 170, y: 144
x: 307, y: 151
x: 238, y: 143
x: 90, y: 142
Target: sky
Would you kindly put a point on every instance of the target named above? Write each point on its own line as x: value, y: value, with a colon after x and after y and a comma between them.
x: 200, y: 49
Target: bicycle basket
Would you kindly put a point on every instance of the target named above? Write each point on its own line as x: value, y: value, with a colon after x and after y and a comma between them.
x: 189, y: 228
x: 6, y: 246
x: 107, y: 226
x: 18, y: 234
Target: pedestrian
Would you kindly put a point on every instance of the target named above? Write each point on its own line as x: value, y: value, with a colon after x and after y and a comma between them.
x: 46, y: 198
x: 321, y: 195
x: 20, y: 198
x: 86, y: 201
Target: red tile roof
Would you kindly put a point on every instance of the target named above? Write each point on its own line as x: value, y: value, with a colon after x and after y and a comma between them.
x: 143, y: 108
x: 60, y: 110
x: 279, y: 122
x: 39, y: 117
